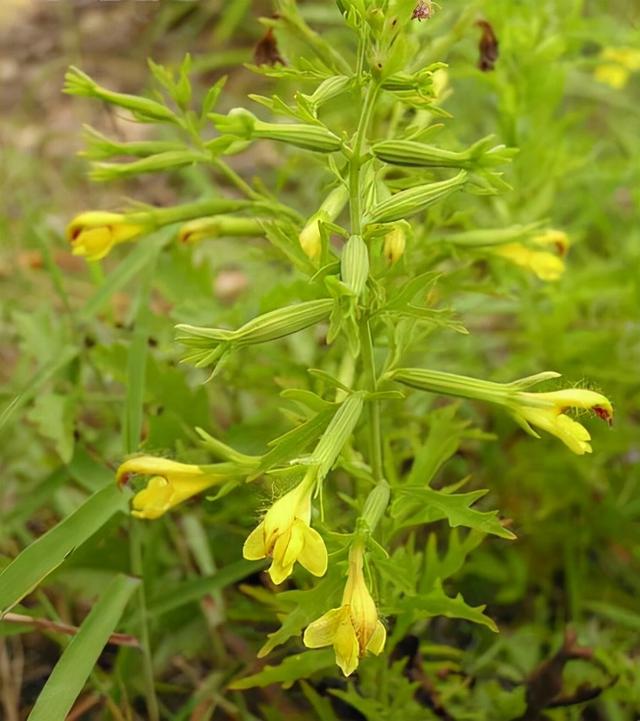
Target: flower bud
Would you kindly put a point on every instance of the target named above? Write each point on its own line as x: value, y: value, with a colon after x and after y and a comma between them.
x: 310, y: 237
x: 337, y: 434
x: 210, y: 344
x: 415, y: 154
x: 354, y: 266
x: 394, y: 244
x: 243, y: 124
x: 414, y: 200
x: 78, y: 83
x: 219, y: 226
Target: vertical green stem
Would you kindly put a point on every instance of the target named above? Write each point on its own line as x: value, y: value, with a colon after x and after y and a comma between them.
x: 375, y: 433
x: 355, y: 192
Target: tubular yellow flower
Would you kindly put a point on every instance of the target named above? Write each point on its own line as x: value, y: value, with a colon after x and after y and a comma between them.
x: 544, y: 264
x: 286, y: 536
x: 354, y: 628
x: 94, y: 233
x: 171, y: 482
x: 546, y: 411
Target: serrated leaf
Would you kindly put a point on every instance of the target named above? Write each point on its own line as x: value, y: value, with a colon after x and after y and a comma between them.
x: 437, y: 603
x: 416, y: 506
x: 53, y: 414
x: 293, y: 668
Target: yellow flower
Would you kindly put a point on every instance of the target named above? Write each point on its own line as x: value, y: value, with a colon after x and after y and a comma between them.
x: 171, y: 482
x: 286, y: 536
x: 617, y: 65
x: 395, y: 242
x: 546, y: 411
x: 544, y: 264
x: 310, y: 240
x: 94, y: 233
x: 354, y: 628
x: 558, y: 239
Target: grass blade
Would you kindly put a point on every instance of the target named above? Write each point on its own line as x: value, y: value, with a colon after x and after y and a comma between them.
x: 72, y: 670
x: 43, y: 556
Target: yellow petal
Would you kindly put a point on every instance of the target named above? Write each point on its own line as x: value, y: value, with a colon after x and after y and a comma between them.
x: 546, y: 265
x: 288, y: 546
x: 254, y: 548
x: 572, y: 434
x: 155, y: 466
x: 313, y: 555
x: 278, y: 572
x: 377, y: 640
x: 154, y: 500
x: 323, y: 630
x: 345, y: 644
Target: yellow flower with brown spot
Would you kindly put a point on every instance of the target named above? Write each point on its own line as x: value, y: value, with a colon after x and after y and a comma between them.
x: 354, y: 627
x: 94, y: 233
x: 547, y: 412
x: 285, y: 535
x: 171, y: 482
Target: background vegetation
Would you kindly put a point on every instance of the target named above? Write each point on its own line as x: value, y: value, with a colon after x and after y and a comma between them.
x: 90, y: 371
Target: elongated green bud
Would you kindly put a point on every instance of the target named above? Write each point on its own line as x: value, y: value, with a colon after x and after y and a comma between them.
x: 415, y: 154
x: 451, y: 384
x: 354, y: 266
x: 157, y: 217
x: 100, y: 147
x: 270, y: 326
x: 243, y: 124
x: 414, y: 200
x: 376, y: 504
x: 78, y: 83
x: 152, y: 164
x: 331, y: 207
x: 337, y: 433
x: 220, y: 226
x: 411, y: 153
x: 487, y: 237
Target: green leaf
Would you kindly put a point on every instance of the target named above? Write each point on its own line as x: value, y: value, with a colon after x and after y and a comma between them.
x: 53, y: 414
x: 46, y: 372
x: 76, y: 663
x: 445, y: 434
x: 415, y: 506
x: 443, y: 567
x: 437, y: 603
x: 293, y: 668
x: 300, y: 608
x: 45, y: 554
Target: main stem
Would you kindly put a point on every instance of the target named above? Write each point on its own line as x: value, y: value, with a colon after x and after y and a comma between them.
x: 366, y: 340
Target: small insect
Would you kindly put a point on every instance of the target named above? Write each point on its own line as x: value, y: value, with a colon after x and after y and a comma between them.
x: 423, y: 10
x: 488, y: 47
